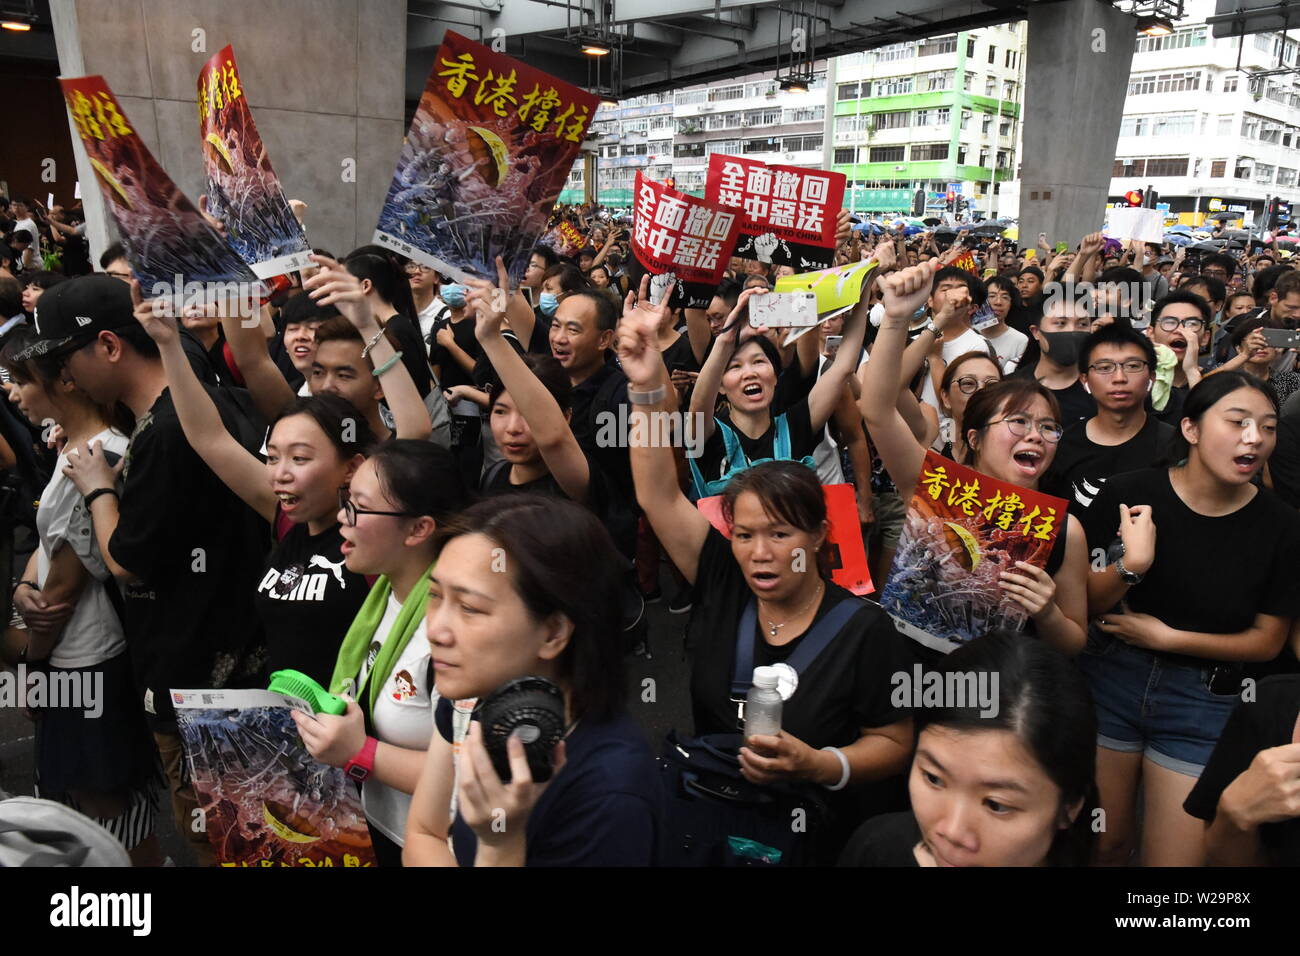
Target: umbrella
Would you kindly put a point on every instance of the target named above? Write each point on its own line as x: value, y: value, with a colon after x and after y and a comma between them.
x: 932, y: 221
x: 1209, y: 245
x: 1235, y: 234
x: 989, y: 229
x: 1180, y: 228
x: 1178, y: 239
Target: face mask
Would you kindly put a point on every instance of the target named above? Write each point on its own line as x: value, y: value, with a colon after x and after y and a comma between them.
x: 548, y: 302
x: 1063, y: 347
x: 454, y: 296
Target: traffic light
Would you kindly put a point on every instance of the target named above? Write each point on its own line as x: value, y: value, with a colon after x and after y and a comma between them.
x: 918, y: 203
x: 1133, y: 197
x: 670, y: 182
x: 1149, y: 201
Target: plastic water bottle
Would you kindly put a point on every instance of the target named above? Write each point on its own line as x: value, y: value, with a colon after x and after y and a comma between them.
x: 763, y: 704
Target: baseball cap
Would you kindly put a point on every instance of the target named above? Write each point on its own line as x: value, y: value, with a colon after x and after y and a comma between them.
x: 73, y: 313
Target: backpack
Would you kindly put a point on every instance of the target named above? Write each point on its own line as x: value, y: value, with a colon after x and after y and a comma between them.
x: 35, y: 832
x: 738, y: 461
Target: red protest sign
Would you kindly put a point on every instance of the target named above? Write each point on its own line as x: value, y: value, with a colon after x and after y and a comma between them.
x: 844, y: 539
x: 675, y: 233
x: 790, y: 213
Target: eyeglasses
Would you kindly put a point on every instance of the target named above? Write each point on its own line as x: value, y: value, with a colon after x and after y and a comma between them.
x: 969, y: 384
x: 350, y: 511
x: 1130, y: 366
x: 1019, y: 426
x: 416, y: 268
x: 1169, y: 323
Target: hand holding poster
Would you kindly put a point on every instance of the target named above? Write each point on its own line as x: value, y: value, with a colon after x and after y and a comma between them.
x: 486, y: 157
x: 1145, y: 225
x: 790, y: 213
x: 266, y: 801
x: 676, y: 236
x: 243, y: 190
x: 844, y: 539
x: 963, y: 529
x: 168, y: 241
x: 836, y: 289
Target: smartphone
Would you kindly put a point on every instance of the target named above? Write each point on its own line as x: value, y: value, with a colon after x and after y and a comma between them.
x: 983, y: 318
x: 1282, y: 338
x: 783, y: 309
x: 1061, y: 247
x: 833, y: 343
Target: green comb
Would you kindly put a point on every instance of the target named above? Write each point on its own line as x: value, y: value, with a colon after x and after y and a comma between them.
x: 297, y: 684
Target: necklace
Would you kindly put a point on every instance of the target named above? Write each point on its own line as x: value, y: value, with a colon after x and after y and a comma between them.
x: 773, y: 627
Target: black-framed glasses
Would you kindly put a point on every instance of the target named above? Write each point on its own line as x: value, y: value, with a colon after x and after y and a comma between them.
x: 1169, y: 323
x: 416, y: 268
x: 1019, y: 426
x: 969, y: 384
x: 350, y: 511
x: 1130, y: 366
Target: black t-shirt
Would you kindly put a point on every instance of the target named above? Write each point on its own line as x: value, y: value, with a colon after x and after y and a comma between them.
x: 415, y: 355
x: 1075, y: 402
x: 792, y: 386
x: 713, y: 462
x: 1082, y: 466
x: 463, y: 333
x: 1172, y: 414
x: 595, y: 405
x: 1284, y: 463
x: 196, y: 549
x: 886, y: 840
x: 1266, y: 722
x: 307, y: 600
x: 846, y: 688
x: 1211, y: 575
x: 680, y: 355
x: 604, y: 807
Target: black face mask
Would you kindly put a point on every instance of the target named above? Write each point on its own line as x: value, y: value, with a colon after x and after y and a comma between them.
x: 1063, y: 347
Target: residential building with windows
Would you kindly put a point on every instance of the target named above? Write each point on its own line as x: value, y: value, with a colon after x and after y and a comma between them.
x: 1200, y: 132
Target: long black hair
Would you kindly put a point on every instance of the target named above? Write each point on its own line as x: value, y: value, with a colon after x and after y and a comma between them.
x: 1201, y: 399
x: 1044, y: 700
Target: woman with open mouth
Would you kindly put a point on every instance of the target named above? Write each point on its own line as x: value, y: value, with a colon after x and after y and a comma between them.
x: 762, y: 592
x: 1167, y: 659
x: 1011, y: 429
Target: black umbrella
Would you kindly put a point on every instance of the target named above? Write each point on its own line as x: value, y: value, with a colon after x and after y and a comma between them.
x: 1208, y: 245
x: 932, y: 221
x: 1235, y: 234
x: 988, y: 229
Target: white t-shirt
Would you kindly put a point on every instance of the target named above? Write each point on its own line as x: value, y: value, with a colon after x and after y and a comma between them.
x: 426, y: 316
x: 402, y: 717
x: 30, y: 225
x: 968, y: 341
x: 1010, y: 346
x: 94, y: 632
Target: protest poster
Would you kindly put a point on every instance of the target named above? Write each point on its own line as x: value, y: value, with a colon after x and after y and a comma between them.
x: 484, y: 161
x: 837, y: 289
x: 789, y: 213
x: 266, y: 801
x: 168, y: 242
x: 848, y: 554
x: 243, y: 190
x: 677, y: 237
x: 1144, y: 225
x: 962, y: 530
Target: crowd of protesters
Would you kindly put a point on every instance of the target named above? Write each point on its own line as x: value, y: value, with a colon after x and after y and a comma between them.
x: 194, y: 500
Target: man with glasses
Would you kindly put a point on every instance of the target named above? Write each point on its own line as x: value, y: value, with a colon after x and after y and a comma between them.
x: 1117, y: 367
x: 1177, y: 322
x: 1219, y: 266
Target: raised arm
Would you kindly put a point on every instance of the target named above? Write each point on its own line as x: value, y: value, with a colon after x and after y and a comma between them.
x: 698, y: 333
x: 334, y: 285
x: 680, y: 526
x: 555, y: 440
x: 238, y: 469
x: 705, y: 394
x: 266, y: 384
x: 904, y: 292
x: 826, y: 393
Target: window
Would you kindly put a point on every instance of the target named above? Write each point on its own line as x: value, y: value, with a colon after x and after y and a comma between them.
x: 894, y: 52
x: 1217, y: 168
x: 961, y: 155
x: 853, y: 124
x: 845, y: 154
x: 721, y: 121
x: 1141, y: 83
x: 1011, y: 59
x: 1178, y: 40
x: 990, y: 86
x: 769, y: 145
x: 1167, y: 167
x: 804, y: 114
x: 767, y: 117
x: 898, y: 119
x: 1230, y: 84
x: 939, y: 80
x: 1004, y: 128
x: 795, y: 144
x: 1009, y: 90
x: 969, y: 82
x: 970, y: 46
x: 1003, y: 158
x: 987, y: 123
x: 688, y: 149
x: 1244, y: 167
x: 730, y: 146
x: 929, y: 151
x: 852, y: 91
x: 1264, y: 173
x: 993, y: 53
x: 690, y: 97
x: 965, y: 119
x: 984, y: 157
x: 1286, y: 177
x: 937, y: 45
x: 892, y: 86
x: 1224, y: 126
x: 723, y: 93
x: 1128, y: 167
x: 887, y: 154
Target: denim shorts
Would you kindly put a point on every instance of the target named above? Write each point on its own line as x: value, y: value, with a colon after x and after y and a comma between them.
x: 1151, y: 705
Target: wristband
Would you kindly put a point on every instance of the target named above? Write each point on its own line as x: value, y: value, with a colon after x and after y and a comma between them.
x: 844, y: 770
x: 652, y: 397
x: 373, y: 342
x: 90, y: 498
x: 387, y: 365
x: 31, y: 584
x: 362, y: 764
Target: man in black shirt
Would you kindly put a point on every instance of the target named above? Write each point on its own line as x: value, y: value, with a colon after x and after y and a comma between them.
x: 1117, y: 368
x: 186, y: 550
x: 1060, y: 333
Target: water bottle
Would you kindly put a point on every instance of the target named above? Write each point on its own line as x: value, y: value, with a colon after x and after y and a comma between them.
x: 763, y: 704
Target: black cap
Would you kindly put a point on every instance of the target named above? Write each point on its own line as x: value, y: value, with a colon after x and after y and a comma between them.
x: 72, y: 313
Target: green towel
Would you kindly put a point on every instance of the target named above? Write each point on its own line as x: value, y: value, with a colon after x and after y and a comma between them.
x: 357, y: 642
x: 1166, y: 363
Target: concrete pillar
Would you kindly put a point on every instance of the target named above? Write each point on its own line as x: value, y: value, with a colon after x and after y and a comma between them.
x: 324, y: 79
x: 1075, y: 84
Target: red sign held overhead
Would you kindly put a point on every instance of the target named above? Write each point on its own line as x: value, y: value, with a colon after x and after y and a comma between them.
x: 673, y: 232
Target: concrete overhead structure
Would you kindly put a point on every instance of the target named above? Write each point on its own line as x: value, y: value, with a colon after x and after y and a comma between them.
x: 324, y: 79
